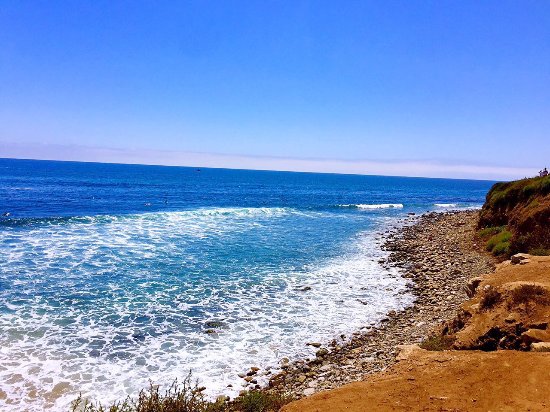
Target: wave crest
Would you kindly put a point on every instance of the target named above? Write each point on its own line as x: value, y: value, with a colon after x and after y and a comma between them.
x: 374, y: 206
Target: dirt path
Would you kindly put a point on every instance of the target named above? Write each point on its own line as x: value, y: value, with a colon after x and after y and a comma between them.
x: 445, y: 381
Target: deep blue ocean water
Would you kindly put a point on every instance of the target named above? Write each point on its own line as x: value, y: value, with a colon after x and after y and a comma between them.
x: 111, y: 275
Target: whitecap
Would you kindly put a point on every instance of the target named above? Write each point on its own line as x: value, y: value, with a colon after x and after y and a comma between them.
x: 375, y: 206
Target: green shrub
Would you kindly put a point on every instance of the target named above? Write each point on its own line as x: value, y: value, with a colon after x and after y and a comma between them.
x: 499, y: 244
x: 184, y: 396
x: 490, y: 231
x: 539, y: 251
x: 187, y: 396
x: 437, y: 343
x: 261, y: 401
x: 502, y: 195
x: 501, y: 249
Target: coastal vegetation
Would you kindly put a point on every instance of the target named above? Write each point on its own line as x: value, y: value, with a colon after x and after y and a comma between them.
x: 437, y: 343
x: 516, y: 217
x: 187, y: 396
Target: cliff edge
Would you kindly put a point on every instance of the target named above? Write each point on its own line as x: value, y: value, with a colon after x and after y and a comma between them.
x: 516, y: 217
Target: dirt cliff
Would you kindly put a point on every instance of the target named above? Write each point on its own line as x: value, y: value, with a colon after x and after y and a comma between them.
x: 517, y: 215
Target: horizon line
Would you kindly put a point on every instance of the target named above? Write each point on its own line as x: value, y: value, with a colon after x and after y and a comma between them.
x: 238, y: 169
x: 426, y: 168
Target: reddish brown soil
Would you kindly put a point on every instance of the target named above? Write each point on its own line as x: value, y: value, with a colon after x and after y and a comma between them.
x: 445, y: 381
x: 501, y: 325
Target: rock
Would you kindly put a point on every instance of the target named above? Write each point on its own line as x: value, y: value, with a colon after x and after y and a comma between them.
x: 214, y: 324
x: 405, y: 351
x: 513, y: 317
x: 540, y: 347
x: 313, y: 384
x: 535, y: 335
x: 518, y: 258
x: 321, y: 352
x: 472, y: 285
x: 222, y: 399
x: 302, y: 378
x: 314, y: 344
x: 309, y: 391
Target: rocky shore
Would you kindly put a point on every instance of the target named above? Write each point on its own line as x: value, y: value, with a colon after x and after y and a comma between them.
x: 438, y: 253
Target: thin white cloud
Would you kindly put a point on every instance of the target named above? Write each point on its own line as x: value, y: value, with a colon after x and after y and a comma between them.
x: 197, y: 159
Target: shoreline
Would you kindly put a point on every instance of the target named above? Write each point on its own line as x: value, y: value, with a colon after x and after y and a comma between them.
x: 438, y: 254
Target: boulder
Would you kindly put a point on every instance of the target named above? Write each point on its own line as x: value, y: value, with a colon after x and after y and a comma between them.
x: 518, y: 258
x: 405, y: 351
x: 540, y: 347
x: 321, y: 352
x: 535, y: 335
x: 309, y: 391
x: 472, y: 285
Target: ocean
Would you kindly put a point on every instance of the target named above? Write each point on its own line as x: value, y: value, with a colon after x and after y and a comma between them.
x: 113, y: 275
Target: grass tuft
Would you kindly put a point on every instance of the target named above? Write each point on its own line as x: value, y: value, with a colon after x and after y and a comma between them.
x: 530, y: 293
x: 437, y: 343
x: 539, y: 251
x: 490, y: 298
x: 260, y: 401
x: 490, y: 231
x: 499, y: 244
x: 184, y: 396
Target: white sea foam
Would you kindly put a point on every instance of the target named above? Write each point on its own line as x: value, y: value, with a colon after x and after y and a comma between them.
x: 375, y: 206
x: 456, y: 206
x: 152, y: 325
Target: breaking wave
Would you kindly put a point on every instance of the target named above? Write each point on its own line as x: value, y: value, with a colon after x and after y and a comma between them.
x: 375, y: 206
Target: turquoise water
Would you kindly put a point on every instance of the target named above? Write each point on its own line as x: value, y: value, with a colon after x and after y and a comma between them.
x: 111, y: 275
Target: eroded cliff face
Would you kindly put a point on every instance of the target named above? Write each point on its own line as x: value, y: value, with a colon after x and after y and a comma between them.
x: 522, y: 208
x: 509, y: 309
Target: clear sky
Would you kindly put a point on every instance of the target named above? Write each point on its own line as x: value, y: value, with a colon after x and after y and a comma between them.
x: 432, y: 88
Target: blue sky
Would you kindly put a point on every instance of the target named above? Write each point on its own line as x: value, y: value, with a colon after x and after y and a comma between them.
x: 431, y: 88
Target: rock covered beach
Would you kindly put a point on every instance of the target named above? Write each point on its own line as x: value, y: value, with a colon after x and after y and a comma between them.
x: 439, y: 254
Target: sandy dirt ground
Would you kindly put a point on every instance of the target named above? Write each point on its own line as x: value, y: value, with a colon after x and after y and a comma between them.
x: 445, y: 381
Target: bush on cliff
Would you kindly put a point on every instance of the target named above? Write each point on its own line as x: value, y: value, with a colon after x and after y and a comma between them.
x: 499, y: 243
x: 522, y: 207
